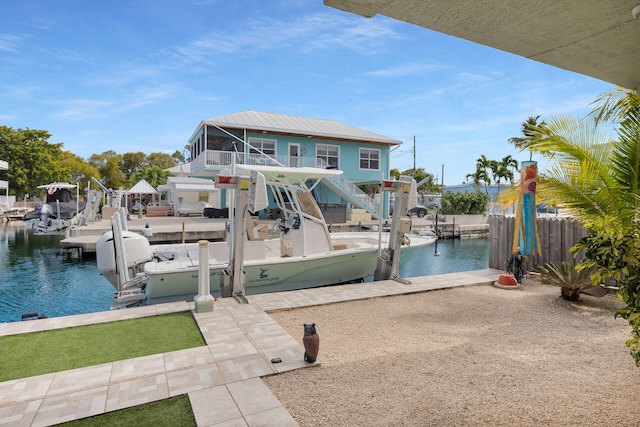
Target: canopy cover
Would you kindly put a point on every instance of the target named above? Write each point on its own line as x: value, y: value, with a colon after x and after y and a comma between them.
x: 142, y: 187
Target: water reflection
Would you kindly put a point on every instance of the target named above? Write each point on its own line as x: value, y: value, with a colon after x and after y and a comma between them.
x: 36, y: 277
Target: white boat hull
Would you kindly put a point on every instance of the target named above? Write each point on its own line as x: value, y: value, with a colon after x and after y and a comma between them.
x: 180, y: 277
x: 305, y: 254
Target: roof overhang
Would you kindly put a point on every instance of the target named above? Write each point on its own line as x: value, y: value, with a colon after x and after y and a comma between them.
x: 591, y: 37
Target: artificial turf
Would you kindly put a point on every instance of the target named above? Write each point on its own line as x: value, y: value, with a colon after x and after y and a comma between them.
x: 175, y: 411
x: 38, y: 353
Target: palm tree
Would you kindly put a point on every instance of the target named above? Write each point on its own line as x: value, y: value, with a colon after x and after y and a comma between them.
x: 483, y: 165
x: 154, y: 175
x: 510, y: 162
x: 595, y: 175
x: 528, y: 129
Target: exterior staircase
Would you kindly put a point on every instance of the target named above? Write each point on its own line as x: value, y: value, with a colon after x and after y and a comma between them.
x: 352, y: 194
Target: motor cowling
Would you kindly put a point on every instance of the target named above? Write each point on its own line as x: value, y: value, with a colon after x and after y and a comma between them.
x: 44, y: 212
x: 137, y: 248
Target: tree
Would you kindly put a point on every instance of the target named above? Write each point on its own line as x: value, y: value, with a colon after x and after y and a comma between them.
x: 483, y: 165
x: 154, y: 175
x: 596, y: 177
x: 474, y: 203
x: 420, y: 175
x: 33, y: 161
x: 501, y: 170
x: 178, y: 157
x: 162, y: 160
x: 80, y: 171
x: 529, y: 129
x: 510, y: 163
x: 132, y: 163
x: 109, y: 164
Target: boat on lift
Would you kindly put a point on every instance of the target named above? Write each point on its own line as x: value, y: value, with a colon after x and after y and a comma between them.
x: 57, y: 213
x: 296, y: 251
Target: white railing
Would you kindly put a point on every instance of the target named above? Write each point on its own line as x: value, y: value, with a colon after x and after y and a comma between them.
x: 225, y: 158
x: 360, y: 195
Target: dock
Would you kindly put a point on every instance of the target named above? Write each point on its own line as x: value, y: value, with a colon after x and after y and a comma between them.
x: 163, y: 230
x: 170, y: 229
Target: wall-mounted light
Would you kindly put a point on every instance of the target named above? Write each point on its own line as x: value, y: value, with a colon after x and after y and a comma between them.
x: 303, y: 151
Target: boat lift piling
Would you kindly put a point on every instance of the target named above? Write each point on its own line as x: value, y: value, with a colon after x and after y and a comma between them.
x: 389, y: 259
x: 204, y: 299
x: 250, y: 193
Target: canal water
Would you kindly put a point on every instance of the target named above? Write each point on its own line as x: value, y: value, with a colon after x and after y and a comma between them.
x: 36, y: 277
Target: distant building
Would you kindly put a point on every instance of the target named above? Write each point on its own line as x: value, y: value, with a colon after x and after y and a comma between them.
x: 260, y: 138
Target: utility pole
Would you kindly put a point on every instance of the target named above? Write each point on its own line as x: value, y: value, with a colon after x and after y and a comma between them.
x: 414, y: 157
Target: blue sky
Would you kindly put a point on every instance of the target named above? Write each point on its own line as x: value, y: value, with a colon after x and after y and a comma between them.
x: 140, y: 76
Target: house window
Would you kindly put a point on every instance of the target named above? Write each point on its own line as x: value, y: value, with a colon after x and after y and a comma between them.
x: 369, y: 159
x: 329, y: 153
x: 266, y: 146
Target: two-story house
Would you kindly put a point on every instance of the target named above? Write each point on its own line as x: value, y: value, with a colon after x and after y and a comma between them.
x: 260, y: 138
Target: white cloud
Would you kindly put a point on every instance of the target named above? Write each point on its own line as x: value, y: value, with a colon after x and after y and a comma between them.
x: 124, y: 76
x: 146, y: 95
x: 312, y: 32
x: 10, y: 42
x: 76, y: 109
x: 415, y: 69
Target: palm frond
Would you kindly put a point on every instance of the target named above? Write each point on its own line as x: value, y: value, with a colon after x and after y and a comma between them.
x: 625, y: 161
x: 613, y: 106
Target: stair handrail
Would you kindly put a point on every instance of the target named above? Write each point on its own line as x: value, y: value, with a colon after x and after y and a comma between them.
x: 350, y: 188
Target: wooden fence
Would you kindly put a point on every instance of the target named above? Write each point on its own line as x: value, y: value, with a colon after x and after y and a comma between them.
x: 557, y: 236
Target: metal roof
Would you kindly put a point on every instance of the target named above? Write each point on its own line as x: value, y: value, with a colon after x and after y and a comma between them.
x: 296, y: 125
x: 592, y: 37
x: 142, y: 187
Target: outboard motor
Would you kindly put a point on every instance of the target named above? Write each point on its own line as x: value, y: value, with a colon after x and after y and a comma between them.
x: 45, y: 211
x: 138, y: 252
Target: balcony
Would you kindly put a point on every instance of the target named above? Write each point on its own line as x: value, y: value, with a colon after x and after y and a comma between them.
x: 210, y: 159
x: 213, y: 159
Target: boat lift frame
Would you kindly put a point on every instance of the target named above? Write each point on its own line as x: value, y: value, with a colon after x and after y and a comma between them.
x: 389, y: 258
x: 249, y: 193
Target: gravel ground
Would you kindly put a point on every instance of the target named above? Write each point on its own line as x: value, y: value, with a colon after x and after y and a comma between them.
x: 464, y: 356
